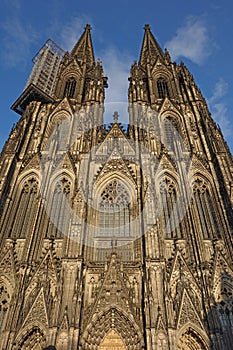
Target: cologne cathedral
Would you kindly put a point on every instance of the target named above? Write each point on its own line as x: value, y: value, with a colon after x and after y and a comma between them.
x: 114, y: 236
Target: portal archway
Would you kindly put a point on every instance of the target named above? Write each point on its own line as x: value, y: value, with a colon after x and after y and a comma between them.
x: 191, y: 340
x: 112, y: 319
x: 112, y: 341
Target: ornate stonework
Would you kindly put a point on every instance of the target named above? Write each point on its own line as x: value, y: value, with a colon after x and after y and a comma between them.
x: 115, y: 238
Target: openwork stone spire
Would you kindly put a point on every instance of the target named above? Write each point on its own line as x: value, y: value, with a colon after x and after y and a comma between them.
x: 83, y: 50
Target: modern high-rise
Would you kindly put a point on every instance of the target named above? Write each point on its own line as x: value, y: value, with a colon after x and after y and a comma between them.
x: 115, y: 237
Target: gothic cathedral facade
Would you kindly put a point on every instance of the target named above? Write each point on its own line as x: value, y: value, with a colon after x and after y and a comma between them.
x: 115, y: 237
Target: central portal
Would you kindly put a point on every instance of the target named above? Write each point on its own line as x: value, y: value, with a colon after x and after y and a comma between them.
x: 112, y: 341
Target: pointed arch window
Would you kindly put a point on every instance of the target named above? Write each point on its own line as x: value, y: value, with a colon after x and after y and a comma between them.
x: 70, y: 88
x: 26, y: 209
x: 205, y: 211
x: 59, y: 209
x: 170, y: 212
x: 61, y: 135
x: 113, y: 228
x: 114, y: 210
x: 172, y: 135
x: 169, y: 134
x: 162, y: 87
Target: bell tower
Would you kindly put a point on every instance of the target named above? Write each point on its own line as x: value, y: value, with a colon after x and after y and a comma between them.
x: 114, y: 237
x: 188, y: 224
x: 80, y: 78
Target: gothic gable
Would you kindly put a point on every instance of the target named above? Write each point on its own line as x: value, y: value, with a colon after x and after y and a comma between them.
x: 113, y: 291
x: 68, y: 163
x: 8, y: 269
x: 117, y: 166
x: 221, y: 268
x: 63, y: 106
x: 160, y: 69
x: 188, y: 313
x: 38, y: 311
x: 31, y: 162
x: 181, y: 274
x: 112, y: 308
x: 71, y: 68
x: 168, y: 106
x: 166, y: 163
x: 45, y: 274
x: 200, y: 166
x: 115, y: 138
x: 160, y: 325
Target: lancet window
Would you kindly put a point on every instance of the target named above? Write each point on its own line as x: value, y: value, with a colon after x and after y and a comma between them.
x: 59, y: 210
x: 162, y: 87
x: 61, y: 135
x: 26, y: 209
x: 171, y: 135
x: 205, y: 212
x: 70, y: 87
x: 169, y: 208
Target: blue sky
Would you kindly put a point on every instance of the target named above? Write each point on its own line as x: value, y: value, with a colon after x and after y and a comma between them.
x: 197, y: 32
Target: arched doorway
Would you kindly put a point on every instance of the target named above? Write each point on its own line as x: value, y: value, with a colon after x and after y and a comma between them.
x: 191, y: 340
x: 112, y: 341
x: 108, y: 325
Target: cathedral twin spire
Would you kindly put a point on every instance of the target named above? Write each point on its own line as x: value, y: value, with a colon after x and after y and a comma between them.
x: 112, y: 237
x: 58, y: 74
x: 83, y: 53
x: 83, y: 49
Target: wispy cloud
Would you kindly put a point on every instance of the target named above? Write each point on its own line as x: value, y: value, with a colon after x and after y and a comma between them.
x: 191, y: 41
x: 219, y: 109
x: 18, y: 38
x: 116, y: 66
x: 220, y: 89
x: 71, y: 32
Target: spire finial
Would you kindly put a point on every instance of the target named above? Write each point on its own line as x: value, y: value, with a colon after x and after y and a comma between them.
x: 88, y: 27
x: 147, y: 27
